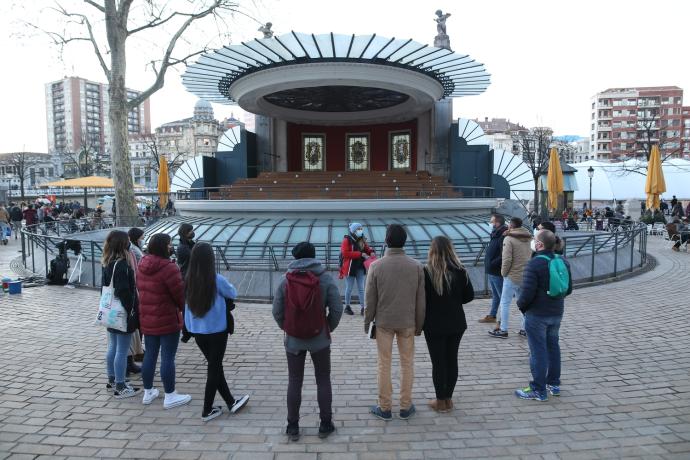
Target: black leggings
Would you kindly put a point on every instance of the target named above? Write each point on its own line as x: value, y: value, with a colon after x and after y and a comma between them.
x: 213, y: 348
x: 443, y: 350
x: 322, y: 372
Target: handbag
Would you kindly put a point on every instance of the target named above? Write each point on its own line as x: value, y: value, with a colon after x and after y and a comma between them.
x: 111, y: 313
x: 229, y: 307
x: 370, y: 260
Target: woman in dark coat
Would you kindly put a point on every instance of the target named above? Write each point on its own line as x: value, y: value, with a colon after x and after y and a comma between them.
x: 447, y: 287
x: 184, y: 248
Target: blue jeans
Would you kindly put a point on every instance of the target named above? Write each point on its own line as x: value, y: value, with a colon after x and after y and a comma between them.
x: 545, y: 353
x: 496, y: 283
x: 349, y: 284
x: 509, y: 290
x: 116, y: 356
x: 167, y: 344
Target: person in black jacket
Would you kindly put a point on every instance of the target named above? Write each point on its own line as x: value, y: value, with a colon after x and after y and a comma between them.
x: 543, y: 315
x: 447, y: 287
x: 492, y: 265
x: 184, y: 248
x: 116, y: 268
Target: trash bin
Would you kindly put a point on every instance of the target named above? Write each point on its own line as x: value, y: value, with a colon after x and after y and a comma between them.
x: 15, y: 287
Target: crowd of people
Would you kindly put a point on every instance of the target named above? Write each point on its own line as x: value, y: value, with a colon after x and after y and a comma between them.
x: 400, y: 298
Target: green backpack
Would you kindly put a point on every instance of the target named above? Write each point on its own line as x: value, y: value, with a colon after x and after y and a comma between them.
x: 559, y: 278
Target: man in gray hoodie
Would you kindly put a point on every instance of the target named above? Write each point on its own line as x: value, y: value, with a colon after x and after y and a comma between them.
x: 319, y: 346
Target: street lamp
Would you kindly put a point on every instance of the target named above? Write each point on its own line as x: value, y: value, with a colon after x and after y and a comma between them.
x: 590, y: 173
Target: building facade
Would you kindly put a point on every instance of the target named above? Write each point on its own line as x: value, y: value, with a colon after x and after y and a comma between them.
x: 77, y: 116
x: 502, y: 134
x: 625, y: 120
x: 36, y: 169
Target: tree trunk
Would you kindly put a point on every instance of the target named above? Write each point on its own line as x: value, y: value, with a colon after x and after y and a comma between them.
x: 21, y: 186
x: 119, y: 148
x: 537, y: 210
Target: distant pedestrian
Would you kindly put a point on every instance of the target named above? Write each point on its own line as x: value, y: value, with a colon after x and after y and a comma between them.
x: 4, y: 223
x: 30, y: 216
x: 16, y: 218
x: 161, y: 289
x: 207, y: 319
x: 447, y: 287
x: 184, y: 247
x: 395, y: 304
x: 543, y: 310
x: 354, y: 250
x: 308, y: 294
x: 492, y: 265
x: 136, y: 238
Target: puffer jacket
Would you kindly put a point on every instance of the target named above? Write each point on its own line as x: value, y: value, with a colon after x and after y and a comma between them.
x: 349, y: 251
x: 516, y: 253
x: 161, y: 296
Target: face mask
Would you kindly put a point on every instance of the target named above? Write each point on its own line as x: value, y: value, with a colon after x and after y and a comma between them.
x: 359, y: 233
x: 533, y: 245
x: 191, y: 236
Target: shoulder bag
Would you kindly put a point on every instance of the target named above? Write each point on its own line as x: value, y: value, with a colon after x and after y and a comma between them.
x: 111, y: 313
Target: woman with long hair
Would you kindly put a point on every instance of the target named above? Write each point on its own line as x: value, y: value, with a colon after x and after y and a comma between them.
x: 116, y: 268
x: 206, y: 318
x: 162, y: 301
x: 354, y: 250
x: 448, y: 287
x: 184, y: 247
x: 136, y: 237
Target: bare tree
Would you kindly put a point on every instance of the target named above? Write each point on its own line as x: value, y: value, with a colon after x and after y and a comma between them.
x: 89, y: 160
x: 169, y: 18
x: 155, y: 156
x: 534, y: 147
x: 22, y: 162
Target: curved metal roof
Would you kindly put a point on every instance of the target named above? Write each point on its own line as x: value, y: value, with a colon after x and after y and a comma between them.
x: 213, y: 74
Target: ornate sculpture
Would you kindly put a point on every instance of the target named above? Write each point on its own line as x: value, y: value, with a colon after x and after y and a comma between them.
x: 266, y: 30
x: 441, y: 40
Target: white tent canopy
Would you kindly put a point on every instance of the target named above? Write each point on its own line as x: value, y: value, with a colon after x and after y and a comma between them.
x: 626, y: 180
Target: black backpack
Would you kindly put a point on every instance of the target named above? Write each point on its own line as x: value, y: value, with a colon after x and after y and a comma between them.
x: 58, y: 270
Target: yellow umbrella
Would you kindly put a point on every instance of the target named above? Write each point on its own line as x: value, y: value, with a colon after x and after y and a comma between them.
x: 554, y: 179
x: 163, y: 182
x: 655, y: 185
x: 83, y: 182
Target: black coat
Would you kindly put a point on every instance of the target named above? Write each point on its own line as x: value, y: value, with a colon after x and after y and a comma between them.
x: 183, y: 252
x: 444, y: 313
x: 492, y: 257
x: 535, y: 283
x: 125, y: 289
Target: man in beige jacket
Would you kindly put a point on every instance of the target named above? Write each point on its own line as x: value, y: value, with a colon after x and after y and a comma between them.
x: 395, y: 303
x: 516, y: 253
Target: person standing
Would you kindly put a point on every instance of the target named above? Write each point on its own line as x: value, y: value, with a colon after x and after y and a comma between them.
x: 353, y: 252
x: 184, y: 247
x: 492, y: 265
x: 30, y: 216
x: 395, y: 304
x: 161, y: 291
x: 447, y: 287
x: 16, y: 218
x: 4, y: 223
x: 543, y: 315
x: 116, y: 269
x: 136, y: 237
x: 206, y: 318
x: 515, y: 255
x: 318, y: 346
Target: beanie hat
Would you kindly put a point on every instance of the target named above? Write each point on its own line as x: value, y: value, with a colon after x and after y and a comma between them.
x: 354, y: 226
x: 304, y: 250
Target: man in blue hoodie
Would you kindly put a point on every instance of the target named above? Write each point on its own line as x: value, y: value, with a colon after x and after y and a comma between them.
x: 543, y: 315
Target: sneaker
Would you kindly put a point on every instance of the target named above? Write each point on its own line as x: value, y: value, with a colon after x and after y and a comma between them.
x: 522, y: 332
x: 529, y: 393
x: 488, y: 319
x: 149, y: 396
x: 325, y: 429
x: 239, y: 404
x: 175, y: 399
x: 292, y: 431
x: 215, y: 412
x: 407, y: 413
x: 361, y: 312
x: 386, y: 415
x: 498, y: 334
x: 677, y: 249
x: 127, y: 392
x: 555, y: 390
x: 110, y: 386
x: 348, y: 310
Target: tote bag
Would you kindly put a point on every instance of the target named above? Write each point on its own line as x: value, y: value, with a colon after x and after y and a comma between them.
x: 111, y: 313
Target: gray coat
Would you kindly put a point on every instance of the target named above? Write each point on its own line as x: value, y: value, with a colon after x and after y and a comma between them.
x: 332, y: 305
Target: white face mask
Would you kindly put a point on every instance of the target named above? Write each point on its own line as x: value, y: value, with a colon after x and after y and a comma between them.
x: 359, y: 233
x: 533, y: 245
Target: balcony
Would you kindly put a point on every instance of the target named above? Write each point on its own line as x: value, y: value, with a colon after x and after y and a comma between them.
x: 604, y: 128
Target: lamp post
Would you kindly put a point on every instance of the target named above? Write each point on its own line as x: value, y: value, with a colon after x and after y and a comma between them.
x: 590, y: 173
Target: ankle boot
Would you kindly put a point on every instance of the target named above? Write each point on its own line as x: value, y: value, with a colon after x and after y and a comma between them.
x: 132, y: 368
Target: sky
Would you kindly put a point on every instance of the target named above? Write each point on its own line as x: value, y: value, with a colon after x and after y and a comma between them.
x: 546, y: 58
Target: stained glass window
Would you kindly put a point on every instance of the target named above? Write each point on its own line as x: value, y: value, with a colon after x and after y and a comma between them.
x: 400, y: 147
x: 357, y: 152
x: 313, y: 152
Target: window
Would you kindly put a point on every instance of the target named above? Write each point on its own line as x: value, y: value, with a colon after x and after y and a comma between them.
x: 400, y: 147
x: 357, y: 152
x: 313, y: 152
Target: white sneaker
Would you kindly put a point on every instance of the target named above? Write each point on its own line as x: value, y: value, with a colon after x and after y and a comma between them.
x: 215, y: 412
x: 174, y: 399
x: 239, y: 404
x: 149, y: 396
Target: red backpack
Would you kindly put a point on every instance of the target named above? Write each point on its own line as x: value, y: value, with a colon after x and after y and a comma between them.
x: 304, y: 315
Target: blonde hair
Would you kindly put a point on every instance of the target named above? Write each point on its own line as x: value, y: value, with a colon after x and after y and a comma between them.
x: 442, y: 258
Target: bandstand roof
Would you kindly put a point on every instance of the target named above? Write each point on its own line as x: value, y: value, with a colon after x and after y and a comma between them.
x: 284, y: 72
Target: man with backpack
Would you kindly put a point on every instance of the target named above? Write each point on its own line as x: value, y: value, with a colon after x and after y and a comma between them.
x: 307, y: 308
x: 546, y: 282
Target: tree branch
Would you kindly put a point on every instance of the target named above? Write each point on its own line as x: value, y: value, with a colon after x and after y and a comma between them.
x: 100, y: 8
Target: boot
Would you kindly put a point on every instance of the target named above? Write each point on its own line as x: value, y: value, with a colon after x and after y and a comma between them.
x: 132, y: 368
x: 348, y: 310
x: 439, y: 405
x: 449, y: 405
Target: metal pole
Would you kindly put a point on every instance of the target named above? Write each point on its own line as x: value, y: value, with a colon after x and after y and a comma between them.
x: 593, y: 251
x: 93, y: 265
x: 632, y: 252
x: 590, y: 194
x: 615, y: 255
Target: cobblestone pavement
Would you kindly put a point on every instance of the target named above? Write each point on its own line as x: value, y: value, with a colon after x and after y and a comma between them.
x: 626, y: 386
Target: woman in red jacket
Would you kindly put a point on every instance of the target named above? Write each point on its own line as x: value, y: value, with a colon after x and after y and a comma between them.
x: 353, y: 252
x: 161, y: 303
